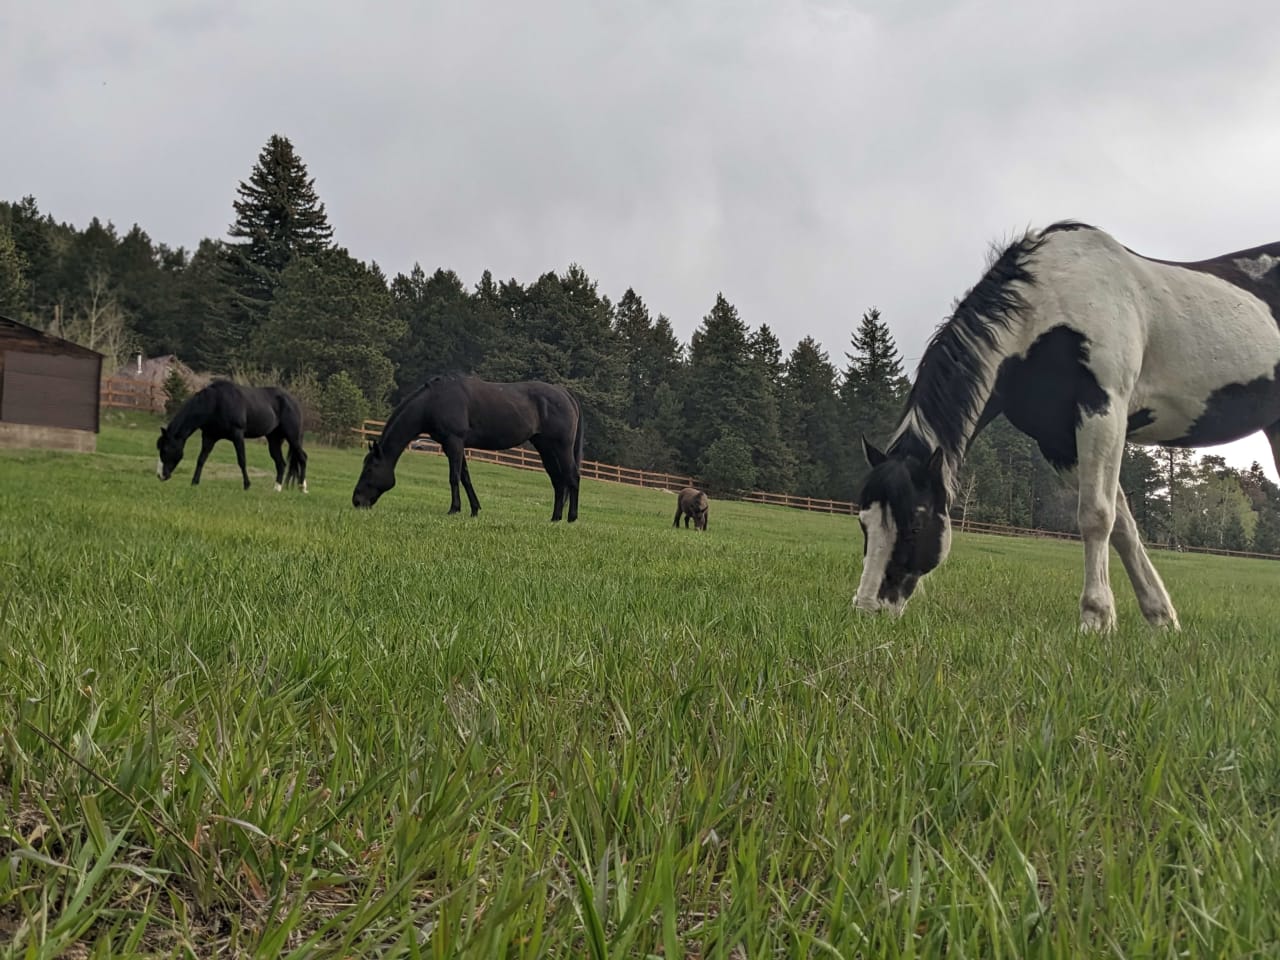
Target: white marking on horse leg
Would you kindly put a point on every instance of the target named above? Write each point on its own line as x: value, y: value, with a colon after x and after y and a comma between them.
x: 1099, y: 447
x: 278, y: 488
x: 304, y: 487
x: 159, y: 468
x: 1153, y: 598
x: 881, y: 533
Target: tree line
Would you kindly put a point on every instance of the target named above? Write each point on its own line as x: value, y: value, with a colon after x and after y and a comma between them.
x: 280, y: 299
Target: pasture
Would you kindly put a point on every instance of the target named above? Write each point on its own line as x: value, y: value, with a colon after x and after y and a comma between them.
x: 251, y: 723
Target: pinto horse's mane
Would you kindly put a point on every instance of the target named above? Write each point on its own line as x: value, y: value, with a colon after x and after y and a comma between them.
x: 945, y: 403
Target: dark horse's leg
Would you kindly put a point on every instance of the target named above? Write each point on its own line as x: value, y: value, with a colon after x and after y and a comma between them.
x: 676, y: 523
x: 571, y: 475
x: 275, y: 444
x: 551, y: 464
x: 207, y: 440
x: 466, y: 485
x: 454, y: 451
x: 237, y: 439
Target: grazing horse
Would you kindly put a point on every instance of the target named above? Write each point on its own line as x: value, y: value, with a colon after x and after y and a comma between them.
x: 228, y: 411
x: 1082, y: 344
x: 464, y: 411
x: 692, y: 505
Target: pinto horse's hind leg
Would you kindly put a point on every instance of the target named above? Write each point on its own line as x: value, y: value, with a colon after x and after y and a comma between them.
x: 1100, y: 447
x: 1273, y: 437
x: 1153, y: 598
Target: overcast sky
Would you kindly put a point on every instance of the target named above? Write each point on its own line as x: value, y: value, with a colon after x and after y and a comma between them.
x: 807, y: 158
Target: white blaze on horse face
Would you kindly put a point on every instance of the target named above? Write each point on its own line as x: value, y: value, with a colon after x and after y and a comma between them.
x: 159, y: 468
x: 881, y: 533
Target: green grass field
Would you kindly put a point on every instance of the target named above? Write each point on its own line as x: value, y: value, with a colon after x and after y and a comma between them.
x: 268, y: 724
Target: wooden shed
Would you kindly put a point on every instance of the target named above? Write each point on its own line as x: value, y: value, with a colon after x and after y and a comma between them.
x: 49, y: 390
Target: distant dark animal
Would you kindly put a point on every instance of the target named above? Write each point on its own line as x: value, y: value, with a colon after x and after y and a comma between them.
x: 692, y: 505
x: 1083, y: 345
x: 464, y: 411
x: 228, y: 411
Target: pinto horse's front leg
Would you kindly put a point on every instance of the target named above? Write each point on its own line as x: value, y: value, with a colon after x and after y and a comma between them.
x: 1099, y: 449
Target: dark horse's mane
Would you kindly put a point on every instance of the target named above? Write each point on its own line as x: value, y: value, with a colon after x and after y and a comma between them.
x: 419, y: 390
x: 196, y: 407
x: 946, y: 392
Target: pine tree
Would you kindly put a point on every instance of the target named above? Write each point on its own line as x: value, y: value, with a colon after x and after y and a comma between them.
x: 811, y: 411
x: 872, y: 392
x: 14, y: 288
x: 729, y: 395
x: 279, y: 217
x: 333, y: 313
x: 32, y: 236
x: 441, y: 334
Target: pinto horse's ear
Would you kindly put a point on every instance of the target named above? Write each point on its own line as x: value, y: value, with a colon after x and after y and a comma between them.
x: 874, y: 457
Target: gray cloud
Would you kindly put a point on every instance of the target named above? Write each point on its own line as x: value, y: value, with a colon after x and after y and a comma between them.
x: 809, y: 158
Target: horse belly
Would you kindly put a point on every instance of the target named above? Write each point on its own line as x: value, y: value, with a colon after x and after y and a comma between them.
x: 1210, y: 375
x: 258, y: 423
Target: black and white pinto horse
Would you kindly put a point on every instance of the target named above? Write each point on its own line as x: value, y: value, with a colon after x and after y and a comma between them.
x: 1082, y: 344
x: 228, y: 411
x: 464, y: 411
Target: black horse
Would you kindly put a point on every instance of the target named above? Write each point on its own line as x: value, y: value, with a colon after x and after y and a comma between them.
x: 463, y: 411
x: 228, y: 411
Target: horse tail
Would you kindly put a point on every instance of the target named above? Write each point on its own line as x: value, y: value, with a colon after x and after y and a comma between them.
x: 290, y: 415
x: 577, y: 437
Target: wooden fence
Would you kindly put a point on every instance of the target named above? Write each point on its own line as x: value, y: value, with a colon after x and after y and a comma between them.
x: 527, y: 459
x: 126, y: 394
x: 593, y: 470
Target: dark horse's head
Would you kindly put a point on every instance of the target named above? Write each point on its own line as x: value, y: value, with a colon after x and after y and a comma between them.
x: 170, y: 449
x: 376, y: 478
x: 907, y: 530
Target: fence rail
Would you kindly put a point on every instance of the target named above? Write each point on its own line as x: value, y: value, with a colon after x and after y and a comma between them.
x: 527, y: 459
x: 593, y: 470
x: 127, y: 394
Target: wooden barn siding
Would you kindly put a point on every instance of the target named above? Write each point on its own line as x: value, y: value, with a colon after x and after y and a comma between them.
x: 46, y: 381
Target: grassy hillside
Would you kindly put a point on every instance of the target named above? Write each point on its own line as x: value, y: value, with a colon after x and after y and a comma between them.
x: 257, y: 723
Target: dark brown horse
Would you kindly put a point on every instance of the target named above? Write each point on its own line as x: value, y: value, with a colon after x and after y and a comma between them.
x: 464, y: 411
x: 692, y: 505
x: 228, y: 411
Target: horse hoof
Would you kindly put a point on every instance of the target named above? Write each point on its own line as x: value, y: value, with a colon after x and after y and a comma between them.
x: 278, y: 488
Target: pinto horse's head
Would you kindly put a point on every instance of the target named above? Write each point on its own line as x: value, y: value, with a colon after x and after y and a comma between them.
x: 376, y: 478
x: 905, y: 525
x: 170, y: 450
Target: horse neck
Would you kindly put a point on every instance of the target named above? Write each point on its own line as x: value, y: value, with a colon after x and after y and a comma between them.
x: 406, y: 422
x: 949, y: 416
x: 191, y: 416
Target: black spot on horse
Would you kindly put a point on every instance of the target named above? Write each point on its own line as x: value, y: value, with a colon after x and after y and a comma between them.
x: 1230, y: 406
x: 1139, y: 419
x: 1048, y: 393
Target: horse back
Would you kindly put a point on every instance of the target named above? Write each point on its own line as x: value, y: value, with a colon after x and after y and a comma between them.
x: 500, y: 415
